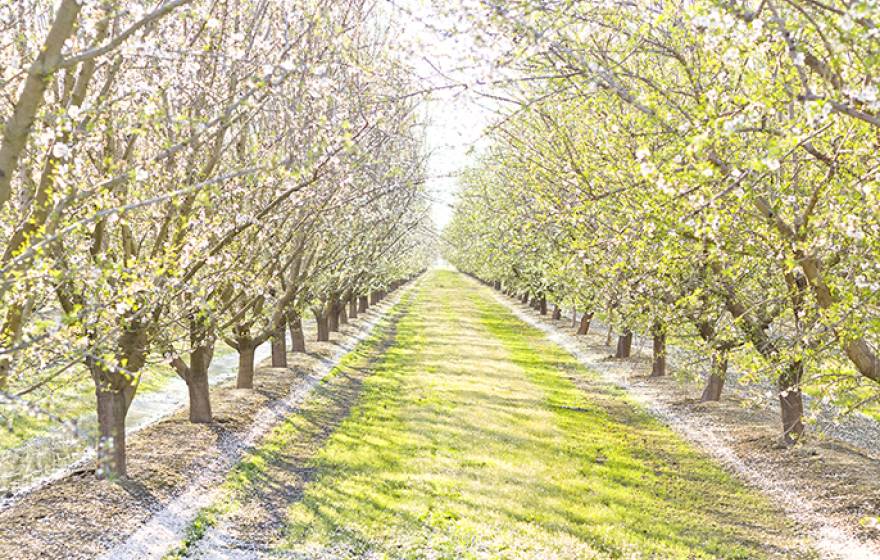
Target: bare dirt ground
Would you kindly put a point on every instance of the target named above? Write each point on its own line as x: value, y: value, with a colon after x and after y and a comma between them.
x: 829, y: 487
x: 79, y: 516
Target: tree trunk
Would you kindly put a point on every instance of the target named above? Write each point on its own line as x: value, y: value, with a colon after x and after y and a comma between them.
x: 323, y: 327
x: 333, y: 317
x: 198, y: 386
x: 199, y: 398
x: 717, y: 376
x: 343, y: 317
x: 525, y: 298
x: 363, y: 304
x: 624, y: 344
x: 792, y: 403
x: 114, y: 391
x: 352, y: 307
x: 297, y: 338
x: 112, y: 408
x: 542, y: 305
x: 279, y: 348
x: 245, y: 378
x: 557, y: 313
x: 658, y: 365
x: 374, y: 297
x: 584, y: 327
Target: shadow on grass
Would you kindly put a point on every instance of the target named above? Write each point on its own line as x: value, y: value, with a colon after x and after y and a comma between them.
x: 470, y: 440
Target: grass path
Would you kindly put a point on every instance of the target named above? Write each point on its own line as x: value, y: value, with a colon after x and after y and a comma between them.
x: 469, y: 439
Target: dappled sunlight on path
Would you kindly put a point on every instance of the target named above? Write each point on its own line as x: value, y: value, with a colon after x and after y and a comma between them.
x: 471, y: 441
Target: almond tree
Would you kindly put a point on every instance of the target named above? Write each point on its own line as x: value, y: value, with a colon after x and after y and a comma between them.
x: 137, y: 173
x: 743, y: 191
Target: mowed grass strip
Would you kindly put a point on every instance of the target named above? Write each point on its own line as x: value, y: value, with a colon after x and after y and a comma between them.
x: 471, y: 441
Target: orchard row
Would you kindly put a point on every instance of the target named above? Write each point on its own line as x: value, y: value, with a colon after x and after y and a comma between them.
x: 703, y: 171
x: 177, y: 173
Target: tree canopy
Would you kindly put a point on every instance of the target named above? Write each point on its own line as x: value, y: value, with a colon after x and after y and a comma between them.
x: 703, y: 169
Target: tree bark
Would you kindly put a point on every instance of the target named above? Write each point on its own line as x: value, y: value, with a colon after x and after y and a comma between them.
x: 658, y: 364
x: 114, y: 391
x: 542, y: 305
x: 584, y: 326
x: 245, y: 379
x: 196, y: 376
x: 279, y: 348
x: 323, y: 327
x: 792, y: 403
x: 717, y: 376
x: 17, y: 128
x: 343, y: 317
x: 557, y: 313
x: 352, y: 307
x: 624, y: 344
x: 297, y: 338
x: 363, y: 304
x: 199, y: 397
x: 112, y: 408
x: 333, y: 317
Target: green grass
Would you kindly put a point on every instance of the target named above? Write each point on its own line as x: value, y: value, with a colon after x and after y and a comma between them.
x: 470, y: 440
x: 205, y: 519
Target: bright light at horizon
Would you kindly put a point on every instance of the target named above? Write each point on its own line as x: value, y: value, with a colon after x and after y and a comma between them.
x: 456, y: 116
